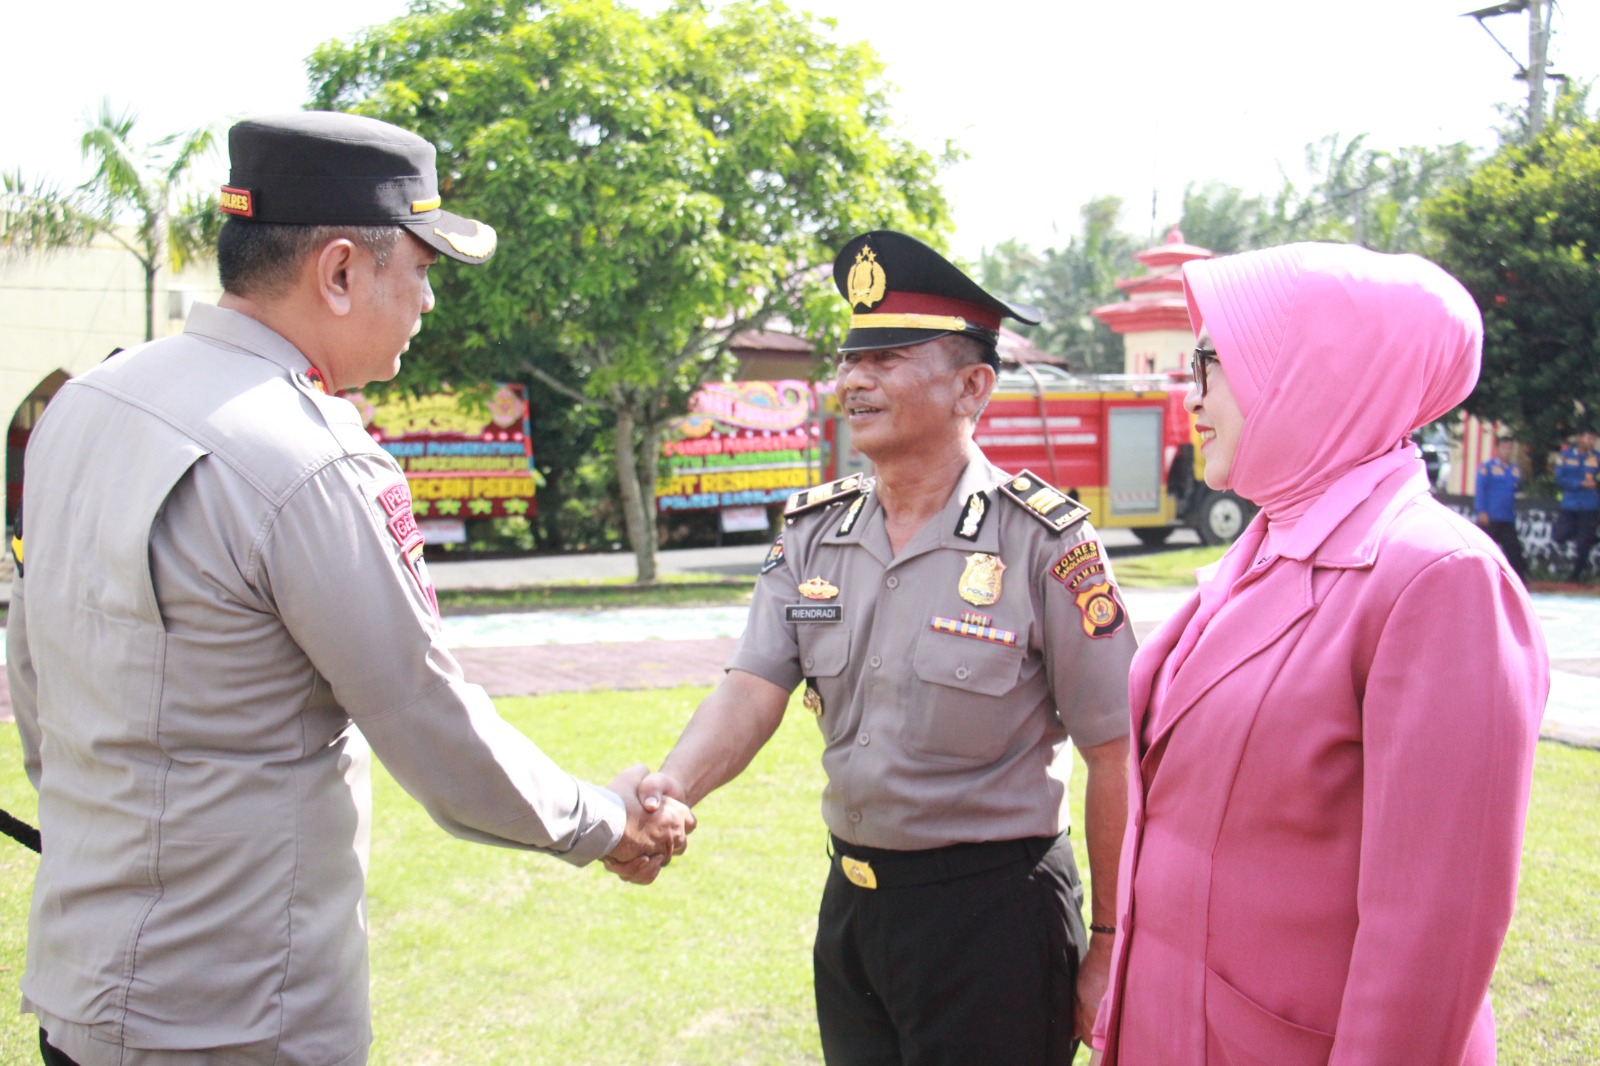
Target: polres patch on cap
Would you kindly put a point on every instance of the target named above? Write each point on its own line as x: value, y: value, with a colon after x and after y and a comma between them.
x: 237, y: 202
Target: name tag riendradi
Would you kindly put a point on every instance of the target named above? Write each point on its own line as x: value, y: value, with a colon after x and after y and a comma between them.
x: 813, y: 612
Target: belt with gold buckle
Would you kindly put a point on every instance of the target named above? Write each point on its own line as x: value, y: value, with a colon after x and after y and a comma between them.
x: 858, y: 871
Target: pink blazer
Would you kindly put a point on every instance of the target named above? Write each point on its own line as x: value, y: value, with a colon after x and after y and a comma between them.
x: 1322, y: 845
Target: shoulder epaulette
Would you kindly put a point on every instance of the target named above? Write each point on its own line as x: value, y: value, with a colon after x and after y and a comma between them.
x: 1048, y: 504
x: 819, y: 495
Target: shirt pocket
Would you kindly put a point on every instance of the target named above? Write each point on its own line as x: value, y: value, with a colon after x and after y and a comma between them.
x: 824, y: 648
x: 962, y: 710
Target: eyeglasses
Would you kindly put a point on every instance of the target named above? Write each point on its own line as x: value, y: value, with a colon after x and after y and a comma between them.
x: 1197, y: 367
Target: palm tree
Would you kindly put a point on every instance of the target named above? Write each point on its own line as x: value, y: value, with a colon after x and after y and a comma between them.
x: 135, y: 198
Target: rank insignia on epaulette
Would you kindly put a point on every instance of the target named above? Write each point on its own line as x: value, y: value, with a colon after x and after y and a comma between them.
x: 1048, y: 504
x: 850, y: 517
x: 774, y: 555
x: 972, y: 516
x: 818, y: 495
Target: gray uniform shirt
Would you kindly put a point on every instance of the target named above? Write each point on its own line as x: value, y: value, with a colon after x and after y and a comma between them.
x: 946, y: 719
x: 222, y: 572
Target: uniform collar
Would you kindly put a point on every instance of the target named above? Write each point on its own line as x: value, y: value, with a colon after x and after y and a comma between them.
x: 239, y: 331
x: 867, y: 528
x: 978, y: 479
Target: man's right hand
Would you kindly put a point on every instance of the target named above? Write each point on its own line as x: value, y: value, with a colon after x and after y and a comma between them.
x: 655, y: 831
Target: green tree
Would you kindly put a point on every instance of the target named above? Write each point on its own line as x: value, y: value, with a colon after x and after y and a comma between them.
x: 660, y: 183
x: 1225, y: 219
x: 1066, y: 284
x: 1348, y: 193
x: 1522, y: 232
x: 137, y: 198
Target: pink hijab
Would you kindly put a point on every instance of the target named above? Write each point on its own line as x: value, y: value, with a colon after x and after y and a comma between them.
x: 1335, y: 354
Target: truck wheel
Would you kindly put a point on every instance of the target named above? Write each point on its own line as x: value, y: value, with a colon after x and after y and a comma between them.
x: 1152, y: 536
x: 1222, y: 518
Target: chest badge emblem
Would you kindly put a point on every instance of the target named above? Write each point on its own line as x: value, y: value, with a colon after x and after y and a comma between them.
x: 980, y: 581
x: 817, y: 589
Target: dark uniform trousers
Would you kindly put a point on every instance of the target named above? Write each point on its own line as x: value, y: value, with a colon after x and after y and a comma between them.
x: 1579, y: 528
x: 961, y: 956
x: 51, y: 1054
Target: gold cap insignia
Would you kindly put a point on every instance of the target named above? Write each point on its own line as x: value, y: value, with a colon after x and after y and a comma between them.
x: 479, y: 244
x: 419, y: 206
x: 817, y: 589
x: 980, y: 581
x: 867, y: 282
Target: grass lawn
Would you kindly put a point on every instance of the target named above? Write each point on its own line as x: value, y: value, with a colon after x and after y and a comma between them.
x: 1164, y: 569
x: 483, y: 955
x: 673, y: 590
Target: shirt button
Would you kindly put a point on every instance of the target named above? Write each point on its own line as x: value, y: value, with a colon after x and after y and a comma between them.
x: 863, y: 740
x: 961, y: 673
x: 810, y: 662
x: 876, y: 662
x: 855, y: 816
x: 893, y: 582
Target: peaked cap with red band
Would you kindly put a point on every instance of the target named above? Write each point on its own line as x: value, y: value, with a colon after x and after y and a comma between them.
x: 901, y: 292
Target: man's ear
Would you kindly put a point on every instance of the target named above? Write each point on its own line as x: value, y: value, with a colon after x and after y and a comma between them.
x: 333, y: 267
x: 977, y: 384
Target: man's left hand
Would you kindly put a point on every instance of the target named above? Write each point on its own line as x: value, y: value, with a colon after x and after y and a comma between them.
x: 1094, y: 978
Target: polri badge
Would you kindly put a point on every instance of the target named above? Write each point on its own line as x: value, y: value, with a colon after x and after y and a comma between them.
x: 980, y: 581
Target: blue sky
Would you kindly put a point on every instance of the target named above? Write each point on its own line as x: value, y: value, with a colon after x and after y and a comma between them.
x: 1055, y: 101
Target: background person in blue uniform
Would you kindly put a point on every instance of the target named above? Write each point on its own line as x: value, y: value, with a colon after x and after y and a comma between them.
x: 1577, y: 470
x: 1499, y: 480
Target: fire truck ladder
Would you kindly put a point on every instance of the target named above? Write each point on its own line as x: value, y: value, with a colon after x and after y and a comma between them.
x: 1044, y: 422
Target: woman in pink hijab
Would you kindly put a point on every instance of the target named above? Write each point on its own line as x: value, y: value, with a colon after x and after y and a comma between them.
x: 1334, y: 737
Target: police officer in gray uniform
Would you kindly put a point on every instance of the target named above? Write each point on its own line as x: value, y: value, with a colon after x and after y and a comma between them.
x: 223, y: 580
x: 956, y: 629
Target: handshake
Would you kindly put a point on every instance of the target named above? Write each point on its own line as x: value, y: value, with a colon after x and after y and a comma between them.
x: 659, y: 824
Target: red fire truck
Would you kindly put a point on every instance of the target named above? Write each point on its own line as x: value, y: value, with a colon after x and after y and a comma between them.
x: 1122, y: 444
